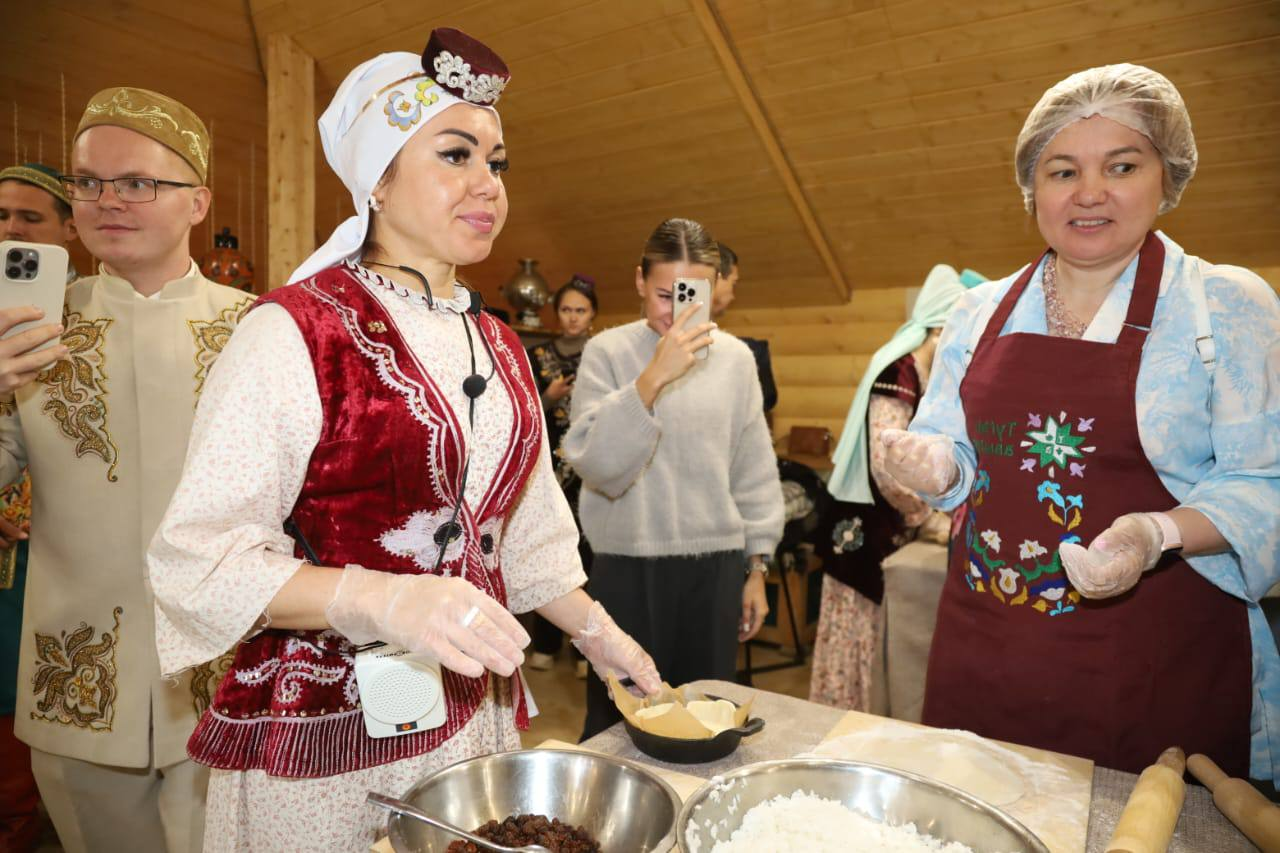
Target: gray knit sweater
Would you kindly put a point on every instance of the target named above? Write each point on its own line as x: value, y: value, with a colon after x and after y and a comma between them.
x: 695, y: 475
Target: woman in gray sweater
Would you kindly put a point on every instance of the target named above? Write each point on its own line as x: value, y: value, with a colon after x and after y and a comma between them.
x: 681, y: 500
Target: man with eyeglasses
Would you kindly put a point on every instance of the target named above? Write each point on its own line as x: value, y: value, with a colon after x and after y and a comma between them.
x: 104, y: 431
x: 34, y: 208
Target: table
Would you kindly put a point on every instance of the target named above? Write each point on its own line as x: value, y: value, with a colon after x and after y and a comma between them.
x: 793, y: 726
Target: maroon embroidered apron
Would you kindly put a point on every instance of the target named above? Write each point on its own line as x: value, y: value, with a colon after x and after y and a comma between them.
x: 1018, y: 655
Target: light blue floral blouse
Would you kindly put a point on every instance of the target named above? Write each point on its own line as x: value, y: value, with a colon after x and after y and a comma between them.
x: 1213, y: 440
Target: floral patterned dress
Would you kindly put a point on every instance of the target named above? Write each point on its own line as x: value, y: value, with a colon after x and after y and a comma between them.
x: 852, y: 540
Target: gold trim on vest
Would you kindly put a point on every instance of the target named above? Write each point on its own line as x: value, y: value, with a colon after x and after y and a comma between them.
x: 205, y: 679
x: 211, y: 336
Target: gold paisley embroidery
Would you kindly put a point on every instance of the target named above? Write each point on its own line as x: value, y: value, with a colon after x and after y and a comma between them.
x: 212, y: 335
x: 205, y: 679
x: 77, y: 389
x: 77, y: 678
x: 8, y: 406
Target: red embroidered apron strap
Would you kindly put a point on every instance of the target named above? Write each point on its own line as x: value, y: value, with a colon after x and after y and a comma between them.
x: 1018, y: 654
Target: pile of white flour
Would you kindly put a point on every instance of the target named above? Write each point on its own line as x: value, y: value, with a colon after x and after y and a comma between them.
x: 807, y: 823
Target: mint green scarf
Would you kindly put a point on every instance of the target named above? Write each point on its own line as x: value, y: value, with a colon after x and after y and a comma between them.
x: 850, y: 481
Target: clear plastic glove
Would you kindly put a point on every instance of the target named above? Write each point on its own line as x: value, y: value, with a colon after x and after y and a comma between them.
x: 611, y: 650
x: 920, y: 461
x: 466, y: 630
x: 1116, y: 558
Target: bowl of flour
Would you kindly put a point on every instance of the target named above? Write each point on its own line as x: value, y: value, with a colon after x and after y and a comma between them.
x: 818, y: 805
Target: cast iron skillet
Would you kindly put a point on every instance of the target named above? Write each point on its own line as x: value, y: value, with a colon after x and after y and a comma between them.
x: 680, y: 751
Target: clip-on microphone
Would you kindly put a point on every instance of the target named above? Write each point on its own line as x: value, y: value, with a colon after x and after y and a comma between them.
x: 474, y: 385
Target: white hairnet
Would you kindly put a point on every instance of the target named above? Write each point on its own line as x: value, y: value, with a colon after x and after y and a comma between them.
x: 1137, y: 97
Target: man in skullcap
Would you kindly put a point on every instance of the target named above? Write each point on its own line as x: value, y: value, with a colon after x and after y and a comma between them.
x: 104, y: 432
x: 34, y: 208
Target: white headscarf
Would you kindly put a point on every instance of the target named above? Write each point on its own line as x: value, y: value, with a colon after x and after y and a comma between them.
x: 378, y: 108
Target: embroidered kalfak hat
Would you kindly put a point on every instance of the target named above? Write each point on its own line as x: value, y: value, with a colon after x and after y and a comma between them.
x: 378, y: 108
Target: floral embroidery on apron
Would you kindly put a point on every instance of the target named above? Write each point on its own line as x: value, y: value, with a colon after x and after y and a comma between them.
x: 1053, y: 444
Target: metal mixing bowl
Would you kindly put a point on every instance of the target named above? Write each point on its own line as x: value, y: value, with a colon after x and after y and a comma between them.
x: 623, y: 806
x: 882, y: 793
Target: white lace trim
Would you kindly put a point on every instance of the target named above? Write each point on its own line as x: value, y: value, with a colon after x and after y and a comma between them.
x: 459, y: 304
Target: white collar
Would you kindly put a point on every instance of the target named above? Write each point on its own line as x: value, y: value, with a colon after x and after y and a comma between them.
x: 459, y: 303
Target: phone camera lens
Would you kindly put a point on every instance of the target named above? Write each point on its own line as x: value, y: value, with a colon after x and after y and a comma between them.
x: 30, y: 264
x: 14, y: 272
x: 14, y: 256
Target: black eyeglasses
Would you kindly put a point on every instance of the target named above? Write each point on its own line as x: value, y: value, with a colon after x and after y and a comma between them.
x: 128, y: 190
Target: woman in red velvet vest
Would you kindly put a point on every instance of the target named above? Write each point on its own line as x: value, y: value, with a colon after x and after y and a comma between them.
x: 369, y: 464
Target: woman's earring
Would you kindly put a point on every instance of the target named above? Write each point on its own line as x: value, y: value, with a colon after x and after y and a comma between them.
x: 375, y: 205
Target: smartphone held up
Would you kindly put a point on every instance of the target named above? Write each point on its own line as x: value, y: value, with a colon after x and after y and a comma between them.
x: 692, y: 294
x: 33, y: 274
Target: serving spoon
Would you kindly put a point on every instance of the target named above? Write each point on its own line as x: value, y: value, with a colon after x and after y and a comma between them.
x: 400, y: 807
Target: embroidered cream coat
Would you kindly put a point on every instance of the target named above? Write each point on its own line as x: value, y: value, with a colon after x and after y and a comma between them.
x: 105, y: 434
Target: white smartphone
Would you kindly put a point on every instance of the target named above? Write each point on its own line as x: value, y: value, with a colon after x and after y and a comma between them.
x: 692, y: 294
x: 33, y: 274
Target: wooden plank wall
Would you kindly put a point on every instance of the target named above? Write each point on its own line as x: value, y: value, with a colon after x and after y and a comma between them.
x: 619, y: 116
x: 901, y: 115
x: 897, y: 117
x: 1271, y: 274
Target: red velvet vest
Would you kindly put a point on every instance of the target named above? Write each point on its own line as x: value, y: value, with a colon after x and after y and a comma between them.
x: 382, y: 479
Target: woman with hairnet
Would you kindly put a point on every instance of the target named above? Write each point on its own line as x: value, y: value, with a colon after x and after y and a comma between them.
x: 1110, y: 418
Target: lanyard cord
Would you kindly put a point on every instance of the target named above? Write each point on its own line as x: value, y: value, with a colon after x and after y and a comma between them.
x: 473, y: 386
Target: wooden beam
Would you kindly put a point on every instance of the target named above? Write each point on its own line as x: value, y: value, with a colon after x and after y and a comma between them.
x: 291, y: 176
x: 715, y: 33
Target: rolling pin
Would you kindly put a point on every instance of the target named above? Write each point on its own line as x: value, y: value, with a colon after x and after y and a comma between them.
x: 1147, y: 822
x: 1241, y: 803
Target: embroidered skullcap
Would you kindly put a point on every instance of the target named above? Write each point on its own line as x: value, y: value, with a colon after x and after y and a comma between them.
x: 154, y: 115
x: 1137, y: 97
x: 379, y: 107
x: 38, y: 175
x: 584, y: 285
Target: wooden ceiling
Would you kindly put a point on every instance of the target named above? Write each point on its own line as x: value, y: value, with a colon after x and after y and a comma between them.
x: 896, y: 118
